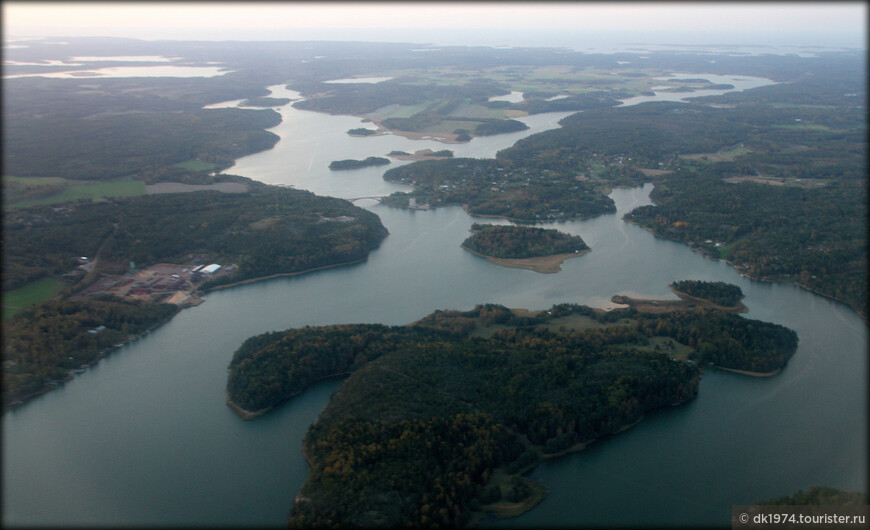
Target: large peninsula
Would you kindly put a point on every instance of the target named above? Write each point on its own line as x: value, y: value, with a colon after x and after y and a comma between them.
x: 440, y: 419
x: 145, y: 256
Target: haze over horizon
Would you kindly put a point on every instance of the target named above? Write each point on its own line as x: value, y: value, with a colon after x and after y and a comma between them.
x: 573, y: 25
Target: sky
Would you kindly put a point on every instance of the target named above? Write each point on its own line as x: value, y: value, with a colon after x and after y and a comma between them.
x: 810, y: 23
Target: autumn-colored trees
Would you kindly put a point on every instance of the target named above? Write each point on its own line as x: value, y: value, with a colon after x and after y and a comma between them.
x: 432, y: 410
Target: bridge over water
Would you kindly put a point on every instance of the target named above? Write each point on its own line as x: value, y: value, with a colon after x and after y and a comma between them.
x: 375, y: 197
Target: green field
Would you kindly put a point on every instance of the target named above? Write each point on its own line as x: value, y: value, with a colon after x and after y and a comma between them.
x: 195, y: 165
x: 63, y: 190
x: 32, y: 293
x: 406, y: 111
x: 557, y: 78
x: 804, y: 127
x: 731, y: 154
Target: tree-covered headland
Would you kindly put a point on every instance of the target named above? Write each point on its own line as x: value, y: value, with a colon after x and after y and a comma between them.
x: 438, y: 420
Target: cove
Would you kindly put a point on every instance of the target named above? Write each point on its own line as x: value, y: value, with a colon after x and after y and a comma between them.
x: 145, y: 438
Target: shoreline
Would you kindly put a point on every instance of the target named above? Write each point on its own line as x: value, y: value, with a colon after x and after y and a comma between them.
x: 749, y: 373
x: 738, y: 308
x: 739, y: 271
x: 550, y: 264
x: 419, y: 154
x: 246, y: 414
x: 282, y: 274
x: 105, y: 352
x: 444, y: 138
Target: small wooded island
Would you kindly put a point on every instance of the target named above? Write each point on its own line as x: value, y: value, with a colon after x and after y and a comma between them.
x: 720, y: 293
x: 336, y: 165
x: 538, y: 249
x: 361, y: 131
x: 440, y: 419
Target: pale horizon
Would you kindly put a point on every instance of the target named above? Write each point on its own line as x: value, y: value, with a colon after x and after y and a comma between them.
x: 508, y: 23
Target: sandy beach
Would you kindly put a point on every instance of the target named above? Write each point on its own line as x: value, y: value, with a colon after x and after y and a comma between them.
x: 541, y: 264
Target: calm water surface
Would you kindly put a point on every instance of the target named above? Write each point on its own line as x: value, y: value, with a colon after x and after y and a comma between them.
x: 145, y: 438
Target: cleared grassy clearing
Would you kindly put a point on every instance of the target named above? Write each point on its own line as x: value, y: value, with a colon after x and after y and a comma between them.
x: 71, y: 190
x: 473, y: 110
x: 731, y: 154
x: 31, y: 294
x: 725, y: 250
x: 664, y: 345
x: 803, y: 127
x: 452, y: 125
x: 573, y: 323
x: 562, y: 78
x: 406, y: 111
x: 775, y: 181
x: 195, y: 165
x: 724, y: 155
x: 801, y: 106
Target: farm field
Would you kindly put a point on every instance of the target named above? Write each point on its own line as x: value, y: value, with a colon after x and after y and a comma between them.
x: 31, y: 294
x: 21, y: 192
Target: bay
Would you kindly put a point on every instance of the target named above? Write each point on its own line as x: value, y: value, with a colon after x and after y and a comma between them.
x: 145, y: 437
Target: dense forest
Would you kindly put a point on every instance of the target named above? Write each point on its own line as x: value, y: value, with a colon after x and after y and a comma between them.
x: 518, y: 242
x: 115, y: 145
x: 489, y: 128
x: 815, y: 238
x: 266, y: 231
x: 720, y: 293
x: 438, y: 418
x: 495, y: 188
x: 44, y: 344
x: 336, y: 165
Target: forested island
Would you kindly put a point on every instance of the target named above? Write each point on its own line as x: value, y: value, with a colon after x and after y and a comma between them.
x: 440, y: 419
x: 720, y: 293
x: 361, y: 131
x: 517, y: 242
x: 337, y: 165
x: 519, y: 246
x: 264, y: 232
